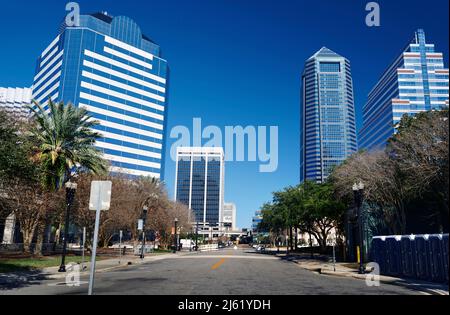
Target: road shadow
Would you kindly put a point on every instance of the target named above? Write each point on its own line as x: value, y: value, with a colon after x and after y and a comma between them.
x: 291, y: 256
x: 21, y: 279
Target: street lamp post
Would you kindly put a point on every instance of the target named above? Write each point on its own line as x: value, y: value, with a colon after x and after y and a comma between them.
x: 70, y: 196
x: 196, y: 237
x: 144, y: 219
x: 358, y: 190
x: 175, y: 238
x: 145, y: 210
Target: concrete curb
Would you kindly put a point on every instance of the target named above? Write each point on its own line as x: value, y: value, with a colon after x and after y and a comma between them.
x: 317, y: 268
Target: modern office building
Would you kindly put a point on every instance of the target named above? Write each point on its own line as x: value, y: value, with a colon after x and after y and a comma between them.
x: 328, y: 128
x: 108, y: 66
x: 257, y: 219
x: 229, y: 216
x: 416, y: 81
x: 199, y: 184
x: 15, y: 100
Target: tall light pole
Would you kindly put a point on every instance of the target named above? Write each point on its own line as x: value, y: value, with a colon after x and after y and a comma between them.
x: 358, y: 190
x: 71, y: 189
x: 144, y: 220
x: 145, y: 210
x: 196, y: 237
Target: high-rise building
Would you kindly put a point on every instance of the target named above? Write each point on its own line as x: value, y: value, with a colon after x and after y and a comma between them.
x: 229, y: 216
x: 256, y: 220
x: 15, y: 100
x: 416, y: 81
x: 108, y: 66
x: 199, y: 184
x: 328, y: 128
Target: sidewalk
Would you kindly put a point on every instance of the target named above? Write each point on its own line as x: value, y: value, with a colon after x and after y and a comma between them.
x: 324, y: 267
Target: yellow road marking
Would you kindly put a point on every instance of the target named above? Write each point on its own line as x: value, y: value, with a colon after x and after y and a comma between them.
x: 220, y: 263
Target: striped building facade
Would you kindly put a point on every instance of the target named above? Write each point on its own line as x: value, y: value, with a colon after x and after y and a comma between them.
x: 200, y: 185
x: 328, y: 123
x: 416, y: 81
x: 109, y: 67
x: 15, y: 101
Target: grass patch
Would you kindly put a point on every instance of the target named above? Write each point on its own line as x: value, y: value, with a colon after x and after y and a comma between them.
x: 32, y: 264
x: 161, y: 251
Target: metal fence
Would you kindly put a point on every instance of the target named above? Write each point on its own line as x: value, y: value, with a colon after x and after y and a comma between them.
x: 423, y: 257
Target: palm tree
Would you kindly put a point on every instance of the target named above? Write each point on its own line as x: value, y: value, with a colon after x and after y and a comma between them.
x: 66, y: 143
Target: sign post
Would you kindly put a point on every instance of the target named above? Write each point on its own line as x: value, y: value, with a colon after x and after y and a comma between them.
x: 334, y: 257
x: 120, y: 246
x: 83, y: 249
x: 141, y: 229
x: 100, y: 201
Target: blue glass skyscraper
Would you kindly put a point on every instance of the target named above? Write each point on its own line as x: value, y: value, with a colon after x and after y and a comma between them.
x: 200, y: 183
x: 108, y: 66
x: 328, y: 129
x: 415, y: 82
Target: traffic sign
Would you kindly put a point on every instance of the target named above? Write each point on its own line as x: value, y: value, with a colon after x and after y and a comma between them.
x: 100, y: 196
x: 100, y: 201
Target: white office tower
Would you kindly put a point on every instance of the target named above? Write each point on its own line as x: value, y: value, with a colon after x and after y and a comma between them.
x: 15, y: 100
x: 229, y: 217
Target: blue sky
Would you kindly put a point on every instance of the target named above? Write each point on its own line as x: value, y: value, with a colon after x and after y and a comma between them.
x: 239, y: 62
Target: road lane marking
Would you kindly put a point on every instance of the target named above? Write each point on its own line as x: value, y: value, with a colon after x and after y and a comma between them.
x: 220, y: 263
x: 227, y: 257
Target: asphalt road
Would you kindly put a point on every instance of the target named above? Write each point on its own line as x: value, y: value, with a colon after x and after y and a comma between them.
x: 228, y: 272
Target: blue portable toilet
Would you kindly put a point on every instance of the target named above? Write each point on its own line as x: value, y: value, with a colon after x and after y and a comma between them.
x: 437, y: 258
x: 379, y: 253
x: 394, y: 256
x: 408, y: 256
x: 445, y: 253
x: 423, y: 267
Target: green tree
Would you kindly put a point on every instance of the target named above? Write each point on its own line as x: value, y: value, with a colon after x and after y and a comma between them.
x: 272, y: 222
x: 311, y: 208
x: 322, y: 212
x: 66, y: 143
x: 15, y: 149
x: 20, y: 190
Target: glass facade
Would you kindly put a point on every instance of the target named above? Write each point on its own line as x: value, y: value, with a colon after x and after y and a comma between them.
x: 328, y: 129
x: 200, y: 183
x: 257, y: 219
x: 15, y: 100
x: 416, y: 81
x: 109, y: 67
